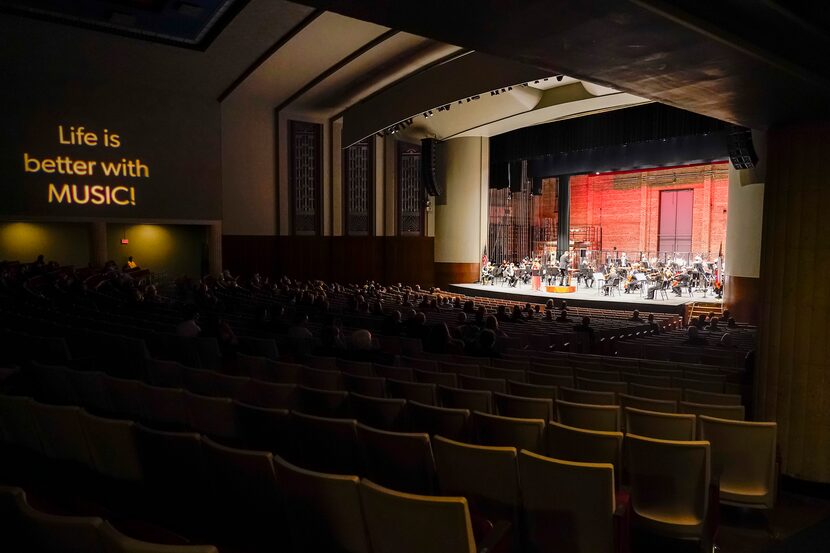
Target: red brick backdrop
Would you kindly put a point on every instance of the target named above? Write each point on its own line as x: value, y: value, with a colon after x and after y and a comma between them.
x: 627, y: 205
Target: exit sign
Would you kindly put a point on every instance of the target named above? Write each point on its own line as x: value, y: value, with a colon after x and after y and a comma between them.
x: 125, y: 241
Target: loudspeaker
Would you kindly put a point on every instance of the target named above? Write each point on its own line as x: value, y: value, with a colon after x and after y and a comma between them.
x: 741, y: 151
x: 515, y: 173
x: 536, y: 188
x: 428, y: 162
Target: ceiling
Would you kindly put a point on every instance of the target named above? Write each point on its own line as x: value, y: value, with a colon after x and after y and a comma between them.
x: 187, y: 23
x: 753, y: 63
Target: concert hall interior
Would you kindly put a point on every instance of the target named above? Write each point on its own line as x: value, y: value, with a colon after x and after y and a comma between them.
x: 374, y: 276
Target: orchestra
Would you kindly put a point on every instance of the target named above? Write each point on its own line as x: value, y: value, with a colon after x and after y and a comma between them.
x: 644, y: 277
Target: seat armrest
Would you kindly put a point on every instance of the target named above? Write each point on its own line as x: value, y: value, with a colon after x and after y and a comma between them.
x: 498, y: 539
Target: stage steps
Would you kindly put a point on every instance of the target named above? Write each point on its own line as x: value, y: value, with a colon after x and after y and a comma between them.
x: 710, y: 308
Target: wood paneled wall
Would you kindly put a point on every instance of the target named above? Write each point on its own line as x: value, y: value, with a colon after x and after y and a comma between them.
x: 794, y: 342
x: 385, y: 259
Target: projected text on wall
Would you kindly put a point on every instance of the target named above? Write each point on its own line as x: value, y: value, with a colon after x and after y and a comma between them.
x: 99, y: 174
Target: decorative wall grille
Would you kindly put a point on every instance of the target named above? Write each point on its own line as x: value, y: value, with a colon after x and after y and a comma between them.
x: 359, y: 186
x: 410, y: 192
x: 305, y: 154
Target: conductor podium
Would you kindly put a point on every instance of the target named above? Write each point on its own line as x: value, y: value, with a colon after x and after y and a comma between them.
x: 560, y: 289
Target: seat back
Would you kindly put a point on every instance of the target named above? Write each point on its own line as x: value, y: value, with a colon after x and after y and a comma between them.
x: 709, y: 398
x: 17, y: 422
x: 323, y: 510
x: 164, y: 407
x: 655, y: 392
x: 61, y: 433
x: 326, y: 444
x: 269, y: 395
x: 406, y: 523
x: 113, y: 447
x: 486, y: 475
x: 373, y: 386
x: 743, y: 459
x: 401, y: 460
x: 322, y: 379
x: 594, y: 385
x: 212, y: 416
x: 587, y: 397
x: 663, y: 426
x: 605, y: 418
x: 47, y: 533
x: 444, y: 421
x: 90, y: 390
x: 264, y: 429
x: 524, y: 389
x: 431, y: 377
x: 501, y: 431
x: 481, y: 383
x: 391, y: 371
x: 383, y: 413
x: 113, y: 541
x: 412, y: 391
x: 472, y: 400
x: 324, y: 403
x: 523, y: 407
x: 658, y: 405
x: 568, y: 506
x: 585, y: 446
x: 730, y: 412
x: 669, y: 484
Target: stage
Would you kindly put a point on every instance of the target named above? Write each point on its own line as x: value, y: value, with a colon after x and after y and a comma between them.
x: 586, y: 297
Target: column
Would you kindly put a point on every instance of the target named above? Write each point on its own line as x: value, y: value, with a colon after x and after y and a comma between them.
x: 98, y: 253
x: 215, y: 248
x: 793, y: 380
x: 563, y: 231
x: 460, y: 234
x: 742, y: 256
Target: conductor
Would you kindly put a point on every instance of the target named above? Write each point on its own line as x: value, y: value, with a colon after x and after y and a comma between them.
x: 564, y: 262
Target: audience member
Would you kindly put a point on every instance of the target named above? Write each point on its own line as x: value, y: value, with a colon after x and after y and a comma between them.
x: 189, y: 327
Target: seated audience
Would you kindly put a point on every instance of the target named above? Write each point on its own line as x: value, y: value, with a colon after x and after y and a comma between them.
x: 189, y: 327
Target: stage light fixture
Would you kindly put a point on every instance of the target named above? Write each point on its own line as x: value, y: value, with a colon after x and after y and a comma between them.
x: 560, y: 77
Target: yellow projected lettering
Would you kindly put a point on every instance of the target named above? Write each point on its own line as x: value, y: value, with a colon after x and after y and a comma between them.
x: 93, y: 194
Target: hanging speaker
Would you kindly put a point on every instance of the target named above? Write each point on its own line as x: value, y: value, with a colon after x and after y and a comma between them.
x: 741, y: 151
x: 428, y: 162
x: 515, y: 176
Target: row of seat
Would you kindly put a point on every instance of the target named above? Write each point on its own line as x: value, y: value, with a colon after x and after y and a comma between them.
x: 552, y: 501
x: 28, y: 529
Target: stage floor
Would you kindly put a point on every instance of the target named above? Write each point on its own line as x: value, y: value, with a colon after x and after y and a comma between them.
x: 585, y: 297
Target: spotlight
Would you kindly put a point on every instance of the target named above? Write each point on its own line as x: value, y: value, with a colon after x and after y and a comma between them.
x: 476, y: 97
x: 509, y: 88
x: 535, y: 82
x: 494, y: 93
x: 560, y: 77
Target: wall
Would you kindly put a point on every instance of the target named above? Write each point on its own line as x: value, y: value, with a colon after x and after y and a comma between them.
x: 627, y: 206
x: 66, y: 243
x: 173, y: 249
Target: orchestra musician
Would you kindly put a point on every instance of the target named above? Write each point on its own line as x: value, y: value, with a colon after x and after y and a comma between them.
x: 623, y: 260
x: 564, y: 262
x: 536, y: 274
x: 510, y: 275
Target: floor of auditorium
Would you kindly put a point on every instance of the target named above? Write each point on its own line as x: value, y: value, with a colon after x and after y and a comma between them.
x: 585, y: 297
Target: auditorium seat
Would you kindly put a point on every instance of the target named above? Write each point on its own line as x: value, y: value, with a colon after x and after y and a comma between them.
x: 250, y: 365
x: 269, y: 394
x: 213, y: 384
x: 264, y: 429
x: 163, y: 407
x: 52, y: 383
x: 663, y: 426
x: 585, y: 446
x: 356, y: 368
x: 321, y: 363
x: 568, y: 506
x: 472, y: 400
x: 323, y: 510
x: 461, y: 369
x: 597, y: 374
x: 125, y: 396
x: 113, y: 447
x: 382, y: 413
x: 432, y: 377
x: 656, y: 392
x: 245, y: 497
x: 327, y: 444
x: 18, y: 424
x: 523, y: 407
x: 91, y: 391
x: 743, y: 460
x: 113, y: 541
x: 400, y: 460
x: 500, y: 431
x: 546, y: 379
x: 711, y: 386
x: 731, y: 412
x: 605, y: 418
x: 613, y: 386
x: 412, y: 391
x: 670, y: 487
x: 373, y: 386
x: 487, y: 476
x: 321, y: 379
x: 517, y: 365
x: 708, y: 398
x: 172, y: 467
x: 539, y: 367
x: 62, y: 434
x: 587, y: 397
x: 421, y: 363
x: 212, y: 416
x: 278, y: 371
x: 259, y: 347
x: 658, y: 405
x: 444, y: 421
x: 396, y: 373
x: 323, y: 403
x: 503, y: 373
x: 532, y: 390
x: 647, y: 380
x: 481, y: 383
x: 406, y: 523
